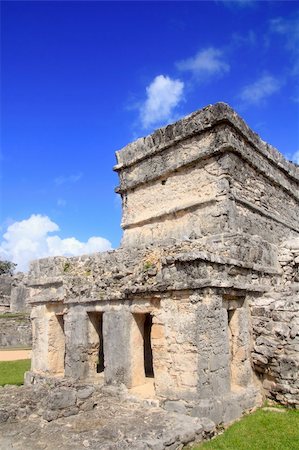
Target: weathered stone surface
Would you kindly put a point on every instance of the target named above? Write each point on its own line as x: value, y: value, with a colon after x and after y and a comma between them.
x: 15, y: 330
x: 276, y: 356
x: 5, y: 292
x: 3, y: 415
x: 175, y: 406
x: 15, y: 327
x: 211, y: 167
x: 13, y: 293
x: 61, y: 398
x: 113, y: 423
x: 200, y: 303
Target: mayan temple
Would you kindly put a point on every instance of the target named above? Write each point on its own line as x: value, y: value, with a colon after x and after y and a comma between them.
x: 200, y: 302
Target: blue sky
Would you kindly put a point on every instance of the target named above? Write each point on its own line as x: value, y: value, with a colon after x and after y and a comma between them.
x: 80, y: 80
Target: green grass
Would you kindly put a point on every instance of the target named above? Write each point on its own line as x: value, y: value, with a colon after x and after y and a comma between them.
x: 262, y: 430
x: 9, y: 315
x: 12, y: 372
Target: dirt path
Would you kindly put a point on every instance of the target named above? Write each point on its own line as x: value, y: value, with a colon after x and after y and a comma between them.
x: 13, y: 355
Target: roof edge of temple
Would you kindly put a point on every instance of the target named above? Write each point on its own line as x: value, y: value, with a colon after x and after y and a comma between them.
x: 194, y: 124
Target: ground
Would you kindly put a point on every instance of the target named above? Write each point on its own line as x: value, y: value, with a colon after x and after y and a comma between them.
x: 14, y: 355
x: 114, y: 419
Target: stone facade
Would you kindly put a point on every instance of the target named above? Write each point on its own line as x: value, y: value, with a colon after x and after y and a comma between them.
x: 15, y: 326
x: 13, y: 293
x: 275, y: 320
x: 201, y: 299
x: 5, y: 292
x: 15, y: 331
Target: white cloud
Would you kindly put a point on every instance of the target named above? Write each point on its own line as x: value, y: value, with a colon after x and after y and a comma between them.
x: 29, y: 239
x: 245, y: 39
x: 163, y: 95
x: 68, y: 179
x: 237, y: 4
x: 288, y: 28
x: 258, y: 91
x: 207, y: 62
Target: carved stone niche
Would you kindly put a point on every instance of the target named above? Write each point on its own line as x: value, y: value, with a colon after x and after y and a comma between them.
x: 239, y: 340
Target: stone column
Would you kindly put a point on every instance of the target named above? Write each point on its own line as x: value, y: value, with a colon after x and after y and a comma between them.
x: 213, y: 348
x: 137, y: 372
x: 48, y: 345
x: 174, y: 348
x: 39, y: 360
x: 241, y: 371
x: 76, y: 333
x: 117, y: 352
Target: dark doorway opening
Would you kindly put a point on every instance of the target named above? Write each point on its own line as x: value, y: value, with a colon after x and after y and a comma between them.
x: 147, y: 348
x: 58, y: 344
x: 100, y: 364
x: 97, y: 341
x: 60, y: 320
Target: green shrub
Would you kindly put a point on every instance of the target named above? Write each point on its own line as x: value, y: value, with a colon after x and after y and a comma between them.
x: 66, y: 266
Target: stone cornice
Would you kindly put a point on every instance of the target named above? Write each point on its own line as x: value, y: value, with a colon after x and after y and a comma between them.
x: 194, y: 124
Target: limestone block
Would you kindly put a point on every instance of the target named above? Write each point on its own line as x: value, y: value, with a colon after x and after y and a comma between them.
x: 76, y: 343
x: 15, y: 332
x: 210, y: 408
x: 158, y: 331
x: 282, y: 329
x: 85, y: 392
x: 61, y: 398
x: 189, y: 379
x: 19, y: 298
x: 175, y: 406
x: 116, y: 332
x: 294, y: 331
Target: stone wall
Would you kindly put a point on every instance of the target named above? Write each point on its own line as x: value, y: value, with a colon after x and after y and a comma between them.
x: 207, y: 208
x: 5, y: 292
x: 206, y: 166
x: 15, y: 330
x: 72, y: 416
x: 275, y: 319
x: 275, y: 354
x: 13, y: 293
x: 15, y: 326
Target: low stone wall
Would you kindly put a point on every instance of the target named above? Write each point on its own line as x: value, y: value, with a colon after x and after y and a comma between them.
x: 61, y: 414
x: 289, y: 262
x: 13, y: 293
x: 5, y: 292
x: 15, y: 330
x: 275, y: 322
x: 275, y: 319
x: 51, y: 399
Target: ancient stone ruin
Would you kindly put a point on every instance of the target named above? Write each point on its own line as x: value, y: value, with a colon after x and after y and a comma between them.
x: 13, y: 293
x: 15, y: 323
x: 200, y: 303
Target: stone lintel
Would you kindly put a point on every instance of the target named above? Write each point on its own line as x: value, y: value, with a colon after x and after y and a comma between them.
x: 205, y: 256
x: 45, y: 300
x: 160, y: 284
x: 45, y: 281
